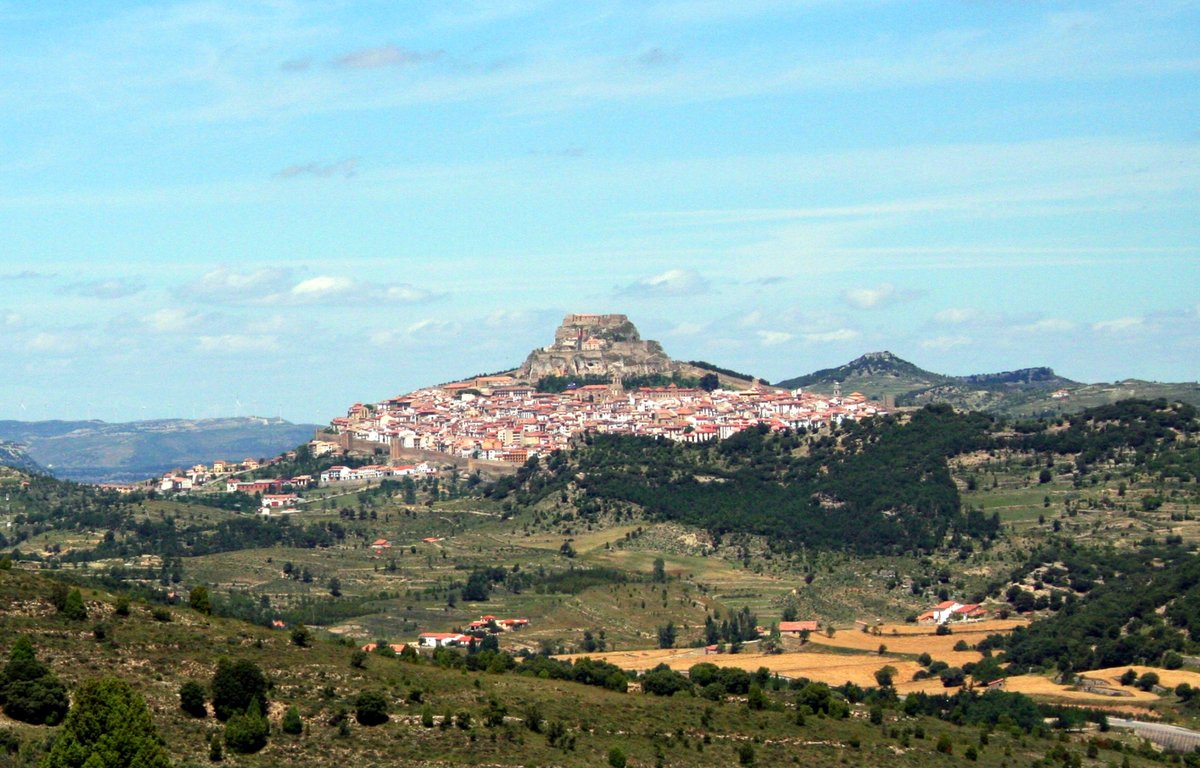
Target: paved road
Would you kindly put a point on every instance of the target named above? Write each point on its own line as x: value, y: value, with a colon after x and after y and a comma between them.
x: 1170, y: 736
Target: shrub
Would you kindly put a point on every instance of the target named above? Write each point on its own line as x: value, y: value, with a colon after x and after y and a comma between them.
x: 191, y: 699
x: 745, y: 753
x: 944, y: 745
x: 199, y: 600
x: 74, y: 608
x: 1129, y: 677
x: 358, y: 659
x: 301, y: 636
x: 160, y: 614
x: 235, y: 685
x: 952, y: 676
x: 29, y: 691
x: 246, y: 732
x: 371, y: 708
x: 121, y: 607
x: 109, y: 727
x: 616, y: 758
x: 1147, y: 681
x: 292, y: 724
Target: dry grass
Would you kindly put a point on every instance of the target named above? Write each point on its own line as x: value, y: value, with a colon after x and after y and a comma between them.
x: 1044, y: 687
x: 1167, y: 678
x: 940, y: 648
x: 835, y: 669
x: 989, y: 627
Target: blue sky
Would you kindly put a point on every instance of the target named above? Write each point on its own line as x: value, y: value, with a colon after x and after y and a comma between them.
x: 280, y: 208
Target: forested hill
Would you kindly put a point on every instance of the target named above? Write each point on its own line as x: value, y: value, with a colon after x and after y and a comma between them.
x: 882, y: 485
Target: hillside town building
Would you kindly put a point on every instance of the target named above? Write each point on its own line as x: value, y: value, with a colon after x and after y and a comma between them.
x: 508, y: 423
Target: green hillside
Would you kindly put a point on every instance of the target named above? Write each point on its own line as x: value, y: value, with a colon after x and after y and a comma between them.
x: 450, y: 709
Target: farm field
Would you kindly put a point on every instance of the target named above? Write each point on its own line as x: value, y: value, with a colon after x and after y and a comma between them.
x: 1167, y: 678
x: 1043, y: 687
x: 913, y: 640
x: 834, y: 669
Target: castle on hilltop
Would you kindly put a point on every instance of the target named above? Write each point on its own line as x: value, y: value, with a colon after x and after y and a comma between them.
x: 597, y: 345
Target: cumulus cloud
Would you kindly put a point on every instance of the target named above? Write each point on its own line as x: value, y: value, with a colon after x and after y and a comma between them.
x: 877, y: 297
x: 28, y: 274
x: 234, y: 344
x: 224, y: 284
x: 54, y: 342
x: 687, y: 329
x: 386, y: 56
x: 673, y: 282
x: 343, y: 168
x: 832, y: 337
x: 333, y: 289
x: 171, y: 320
x: 774, y: 338
x: 1046, y: 325
x: 956, y: 315
x: 942, y: 343
x: 425, y: 331
x: 103, y: 289
x: 1119, y: 325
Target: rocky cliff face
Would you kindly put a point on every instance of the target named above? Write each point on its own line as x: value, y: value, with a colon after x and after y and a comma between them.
x: 597, y: 345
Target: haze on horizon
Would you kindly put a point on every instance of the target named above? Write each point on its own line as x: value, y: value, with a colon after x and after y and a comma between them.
x: 279, y: 208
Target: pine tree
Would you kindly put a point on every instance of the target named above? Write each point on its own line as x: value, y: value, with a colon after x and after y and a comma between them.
x: 109, y: 727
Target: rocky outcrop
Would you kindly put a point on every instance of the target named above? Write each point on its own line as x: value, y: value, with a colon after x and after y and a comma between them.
x: 597, y: 345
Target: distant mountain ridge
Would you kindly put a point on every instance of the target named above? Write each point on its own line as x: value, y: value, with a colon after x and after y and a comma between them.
x: 98, y: 451
x: 1023, y: 392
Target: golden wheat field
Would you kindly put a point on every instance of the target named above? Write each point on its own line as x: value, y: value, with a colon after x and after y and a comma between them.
x: 1167, y: 678
x: 832, y: 668
x: 1038, y: 685
x: 913, y: 639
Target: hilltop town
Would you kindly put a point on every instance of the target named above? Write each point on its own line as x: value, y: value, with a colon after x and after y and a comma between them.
x: 508, y: 418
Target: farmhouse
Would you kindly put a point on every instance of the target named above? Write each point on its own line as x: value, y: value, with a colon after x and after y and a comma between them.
x: 948, y: 610
x: 442, y: 639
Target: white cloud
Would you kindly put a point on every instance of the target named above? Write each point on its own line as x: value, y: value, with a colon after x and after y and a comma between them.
x: 956, y: 315
x: 750, y: 319
x: 1047, y: 325
x: 224, y: 284
x: 171, y: 320
x: 1119, y: 325
x: 422, y: 332
x: 832, y: 337
x: 114, y: 288
x: 338, y: 289
x: 673, y: 282
x: 322, y: 287
x: 687, y: 329
x: 237, y: 343
x: 386, y: 56
x: 876, y: 297
x: 10, y: 319
x: 774, y: 338
x: 945, y: 342
x: 54, y: 342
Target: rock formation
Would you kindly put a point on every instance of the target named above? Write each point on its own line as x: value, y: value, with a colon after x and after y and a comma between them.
x: 597, y: 345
